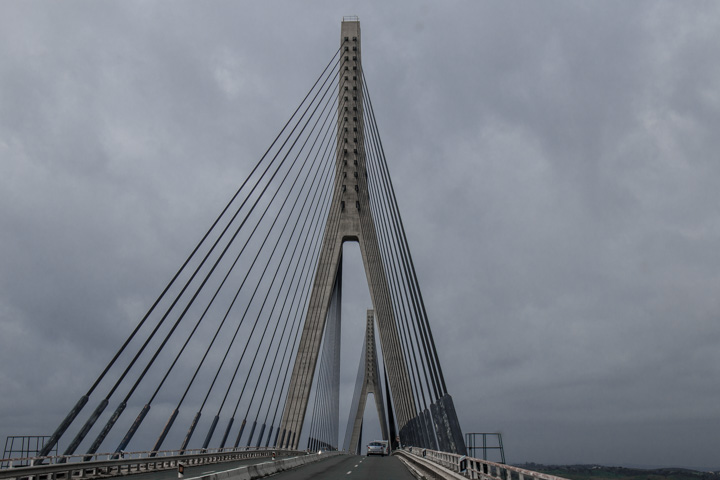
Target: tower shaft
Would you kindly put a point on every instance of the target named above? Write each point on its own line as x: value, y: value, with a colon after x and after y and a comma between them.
x: 369, y: 383
x: 349, y: 219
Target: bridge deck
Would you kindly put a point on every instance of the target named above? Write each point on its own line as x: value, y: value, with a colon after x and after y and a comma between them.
x: 350, y: 467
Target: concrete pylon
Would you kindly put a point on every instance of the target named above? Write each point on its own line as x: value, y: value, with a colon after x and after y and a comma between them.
x: 368, y: 382
x: 349, y: 219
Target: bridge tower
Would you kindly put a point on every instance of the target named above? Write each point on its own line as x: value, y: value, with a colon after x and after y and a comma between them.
x: 283, y: 204
x: 368, y: 382
x: 349, y: 219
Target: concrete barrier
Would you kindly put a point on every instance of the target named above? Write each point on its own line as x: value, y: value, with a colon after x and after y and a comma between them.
x: 72, y: 467
x: 461, y: 466
x: 425, y: 469
x: 260, y: 470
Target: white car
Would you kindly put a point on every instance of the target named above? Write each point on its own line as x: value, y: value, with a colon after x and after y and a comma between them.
x: 376, y: 448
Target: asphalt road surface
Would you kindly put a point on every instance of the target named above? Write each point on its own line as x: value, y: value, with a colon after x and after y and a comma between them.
x: 351, y: 467
x: 345, y: 467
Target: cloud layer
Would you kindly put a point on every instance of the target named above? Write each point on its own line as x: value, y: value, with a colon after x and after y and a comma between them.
x: 556, y: 165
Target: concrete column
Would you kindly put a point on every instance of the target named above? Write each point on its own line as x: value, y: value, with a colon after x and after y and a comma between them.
x: 370, y: 384
x: 349, y: 219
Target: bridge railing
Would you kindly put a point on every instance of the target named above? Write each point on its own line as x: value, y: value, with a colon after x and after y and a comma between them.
x: 113, y: 464
x: 478, y: 468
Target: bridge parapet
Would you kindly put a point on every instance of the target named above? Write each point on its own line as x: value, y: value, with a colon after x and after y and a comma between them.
x: 251, y: 472
x: 105, y: 465
x: 460, y: 466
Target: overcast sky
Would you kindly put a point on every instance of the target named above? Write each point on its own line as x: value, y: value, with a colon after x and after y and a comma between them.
x: 556, y: 164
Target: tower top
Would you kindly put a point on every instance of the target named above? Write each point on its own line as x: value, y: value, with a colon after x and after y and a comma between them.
x: 351, y: 18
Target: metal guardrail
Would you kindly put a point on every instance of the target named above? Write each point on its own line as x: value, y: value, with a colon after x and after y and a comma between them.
x: 476, y: 468
x: 103, y: 465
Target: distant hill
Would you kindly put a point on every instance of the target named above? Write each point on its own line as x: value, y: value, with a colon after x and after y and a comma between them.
x: 599, y: 472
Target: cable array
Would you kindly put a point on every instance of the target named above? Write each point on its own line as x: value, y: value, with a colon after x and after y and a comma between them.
x: 213, y: 353
x: 428, y: 427
x: 223, y: 332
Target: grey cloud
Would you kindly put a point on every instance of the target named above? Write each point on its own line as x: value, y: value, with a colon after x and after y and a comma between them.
x: 555, y: 164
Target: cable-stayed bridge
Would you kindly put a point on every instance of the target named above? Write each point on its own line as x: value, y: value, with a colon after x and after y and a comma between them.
x: 238, y: 359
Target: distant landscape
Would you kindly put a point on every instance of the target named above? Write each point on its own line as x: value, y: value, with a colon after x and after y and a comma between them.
x: 599, y: 472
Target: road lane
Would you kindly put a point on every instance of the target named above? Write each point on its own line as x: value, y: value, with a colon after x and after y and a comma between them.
x: 351, y: 467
